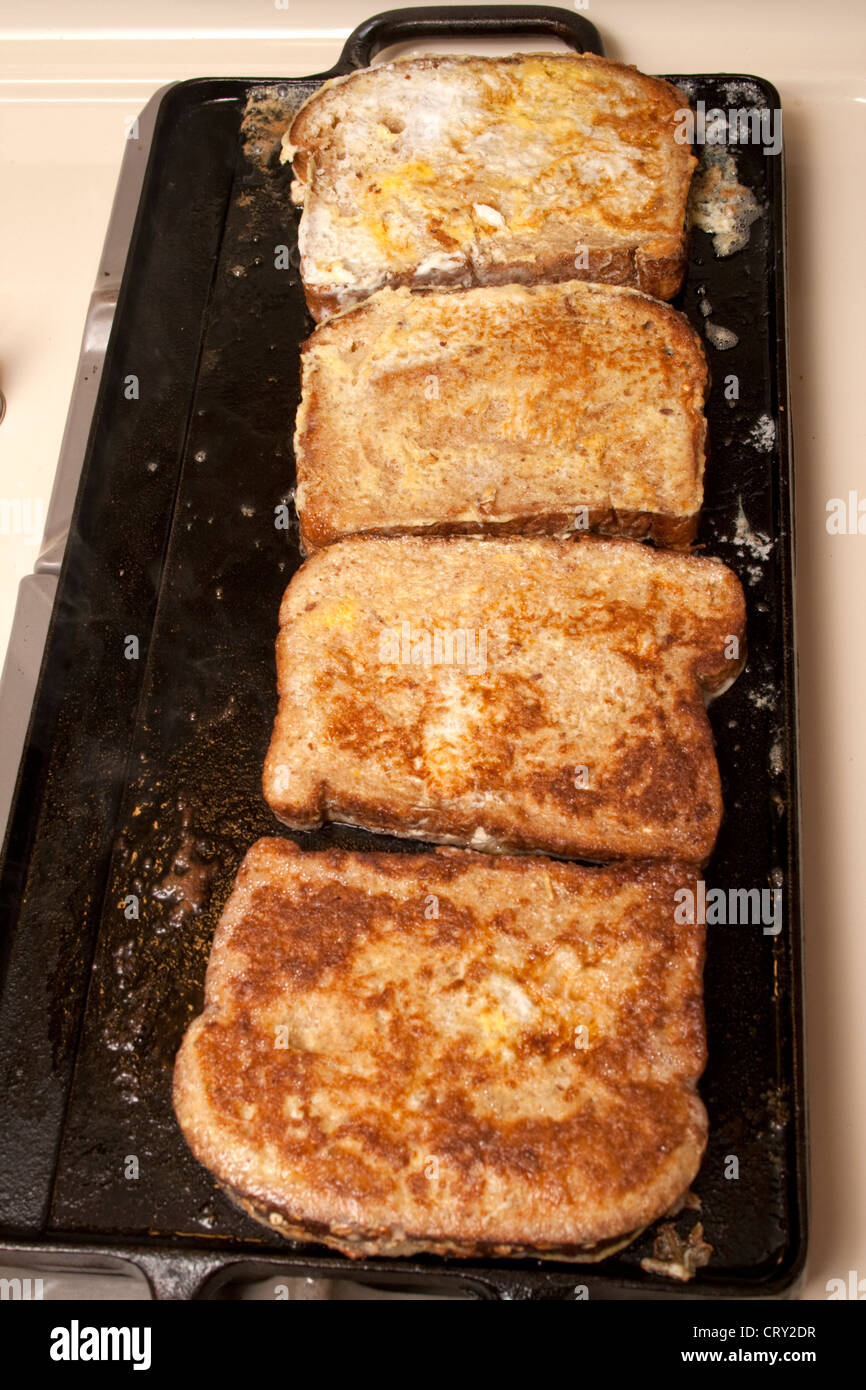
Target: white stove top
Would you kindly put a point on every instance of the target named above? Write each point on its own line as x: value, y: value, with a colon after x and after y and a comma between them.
x: 73, y: 77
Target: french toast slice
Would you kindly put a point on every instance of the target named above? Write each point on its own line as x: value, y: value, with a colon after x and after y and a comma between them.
x: 471, y: 170
x: 519, y: 693
x: 543, y: 408
x: 483, y: 171
x: 445, y: 1053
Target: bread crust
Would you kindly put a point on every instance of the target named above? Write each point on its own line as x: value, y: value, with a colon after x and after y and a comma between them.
x: 509, y: 409
x: 656, y: 271
x: 514, y: 1074
x: 464, y: 171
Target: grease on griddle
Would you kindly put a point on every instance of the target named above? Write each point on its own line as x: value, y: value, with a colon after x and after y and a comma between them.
x: 173, y: 867
x: 719, y: 204
x: 186, y: 886
x: 721, y: 338
x: 778, y: 1108
x: 762, y: 435
x: 751, y: 544
x: 267, y: 116
x: 745, y: 537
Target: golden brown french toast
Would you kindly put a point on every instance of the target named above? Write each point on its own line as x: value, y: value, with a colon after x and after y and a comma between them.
x: 542, y: 408
x: 510, y: 693
x: 449, y: 1053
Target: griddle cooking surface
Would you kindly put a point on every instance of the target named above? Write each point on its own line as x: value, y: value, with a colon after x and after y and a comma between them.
x: 142, y: 777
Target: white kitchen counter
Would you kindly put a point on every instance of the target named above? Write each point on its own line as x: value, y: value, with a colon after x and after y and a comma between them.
x: 71, y: 77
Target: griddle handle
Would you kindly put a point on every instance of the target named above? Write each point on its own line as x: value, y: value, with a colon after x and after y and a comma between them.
x: 456, y: 21
x: 179, y: 1276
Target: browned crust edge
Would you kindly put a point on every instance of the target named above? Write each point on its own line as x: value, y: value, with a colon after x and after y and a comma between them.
x: 378, y: 820
x: 656, y: 267
x: 670, y: 532
x: 369, y: 1245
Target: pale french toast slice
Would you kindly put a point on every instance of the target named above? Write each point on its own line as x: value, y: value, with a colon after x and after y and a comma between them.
x: 457, y: 170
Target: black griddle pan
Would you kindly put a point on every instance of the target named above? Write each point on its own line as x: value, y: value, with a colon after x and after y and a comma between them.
x: 143, y: 760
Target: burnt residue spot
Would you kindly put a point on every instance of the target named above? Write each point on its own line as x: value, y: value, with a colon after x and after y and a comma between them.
x: 453, y: 925
x: 302, y: 937
x: 246, y: 1074
x: 658, y: 779
x: 677, y: 1256
x: 359, y: 726
x: 562, y: 788
x: 614, y: 1147
x: 169, y: 874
